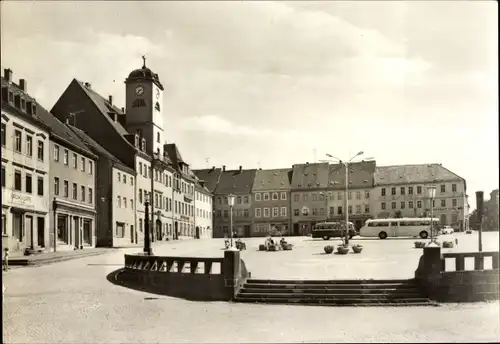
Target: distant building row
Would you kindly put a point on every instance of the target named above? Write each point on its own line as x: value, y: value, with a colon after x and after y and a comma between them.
x: 79, y: 176
x: 293, y: 200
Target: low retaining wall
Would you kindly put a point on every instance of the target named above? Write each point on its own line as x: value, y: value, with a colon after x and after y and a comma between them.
x: 478, y: 284
x: 203, y: 279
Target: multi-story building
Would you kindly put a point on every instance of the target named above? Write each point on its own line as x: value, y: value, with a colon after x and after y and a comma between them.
x: 133, y: 135
x: 360, y: 184
x: 114, y: 196
x: 238, y: 183
x: 183, y: 194
x: 72, y: 187
x: 209, y: 178
x: 308, y: 203
x: 203, y: 206
x: 403, y: 191
x: 491, y: 206
x: 271, y: 202
x: 25, y: 170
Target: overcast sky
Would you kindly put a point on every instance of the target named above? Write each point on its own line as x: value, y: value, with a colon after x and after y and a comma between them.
x: 271, y: 83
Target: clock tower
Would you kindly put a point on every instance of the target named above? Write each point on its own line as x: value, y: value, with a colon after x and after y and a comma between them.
x: 144, y: 103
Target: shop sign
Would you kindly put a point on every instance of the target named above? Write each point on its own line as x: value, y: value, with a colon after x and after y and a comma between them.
x: 21, y: 199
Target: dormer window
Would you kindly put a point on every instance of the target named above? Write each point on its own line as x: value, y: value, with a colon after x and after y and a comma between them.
x: 143, y: 145
x: 23, y: 104
x: 136, y: 144
x: 11, y: 97
x: 157, y: 106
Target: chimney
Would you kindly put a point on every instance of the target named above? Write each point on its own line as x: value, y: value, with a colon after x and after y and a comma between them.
x: 22, y: 85
x: 240, y: 168
x: 7, y: 74
x: 223, y: 168
x: 123, y: 109
x: 110, y: 98
x: 88, y: 85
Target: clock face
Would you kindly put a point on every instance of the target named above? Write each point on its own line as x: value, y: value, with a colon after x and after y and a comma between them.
x: 139, y: 90
x: 157, y: 94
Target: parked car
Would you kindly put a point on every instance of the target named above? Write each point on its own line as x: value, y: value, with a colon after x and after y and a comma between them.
x: 447, y: 230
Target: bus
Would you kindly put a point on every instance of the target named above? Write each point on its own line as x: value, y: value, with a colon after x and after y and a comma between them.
x: 327, y: 230
x: 403, y: 227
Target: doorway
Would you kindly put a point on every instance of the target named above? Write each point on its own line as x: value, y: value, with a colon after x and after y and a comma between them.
x: 87, y: 232
x: 29, y: 227
x: 197, y: 232
x: 176, y: 230
x: 296, y: 229
x: 76, y: 226
x: 62, y: 229
x: 158, y: 230
x: 246, y: 230
x: 17, y: 226
x: 40, y: 227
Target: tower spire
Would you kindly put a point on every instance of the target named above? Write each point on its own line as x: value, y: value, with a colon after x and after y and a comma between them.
x: 143, y: 61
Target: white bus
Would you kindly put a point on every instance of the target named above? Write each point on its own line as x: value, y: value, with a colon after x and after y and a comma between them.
x: 404, y: 227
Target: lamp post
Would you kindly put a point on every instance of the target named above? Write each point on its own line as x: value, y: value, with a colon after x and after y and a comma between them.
x: 325, y: 195
x: 54, y: 208
x: 432, y: 193
x: 230, y: 200
x: 147, y: 238
x: 346, y: 191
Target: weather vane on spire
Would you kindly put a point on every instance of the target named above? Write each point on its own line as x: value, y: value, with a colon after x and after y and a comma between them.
x: 144, y: 61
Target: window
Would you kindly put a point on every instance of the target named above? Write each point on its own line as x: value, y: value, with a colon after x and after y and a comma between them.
x: 119, y: 177
x: 56, y: 153
x: 332, y: 196
x: 402, y: 205
x: 132, y: 204
x: 382, y: 205
x: 419, y: 190
x: 82, y: 161
x: 91, y: 196
x: 124, y: 178
x: 454, y: 202
x: 410, y: 204
x: 275, y: 196
x: 339, y: 196
x: 219, y: 213
x: 29, y: 145
x: 82, y: 193
x: 3, y: 176
x: 443, y: 203
x: 283, y: 196
x: 66, y: 157
x: 443, y: 188
x: 275, y: 212
x: 296, y: 198
x: 158, y: 134
x: 40, y: 186
x: 131, y: 180
x: 66, y: 188
x: 382, y: 192
x: 296, y: 212
x: 350, y: 209
x: 453, y: 187
x: 266, y: 196
x: 367, y: 208
x: 358, y: 209
x: 119, y: 202
x: 393, y: 191
x: 367, y: 194
x: 305, y: 197
x: 17, y: 180
x: 28, y: 181
x: 4, y: 132
x: 17, y: 140
x: 140, y: 168
x: 124, y: 202
x: 402, y: 190
x: 40, y: 149
x: 258, y: 212
x: 238, y: 199
x: 454, y: 218
x: 393, y: 205
x: 266, y: 212
x: 322, y: 211
x: 283, y: 212
x: 246, y: 199
x: 75, y: 161
x: 75, y: 191
x: 410, y: 190
x: 349, y: 195
x: 419, y: 204
x: 91, y: 168
x: 339, y: 210
x: 315, y: 211
x: 358, y: 194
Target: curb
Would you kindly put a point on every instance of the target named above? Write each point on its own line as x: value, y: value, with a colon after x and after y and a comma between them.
x: 46, y: 261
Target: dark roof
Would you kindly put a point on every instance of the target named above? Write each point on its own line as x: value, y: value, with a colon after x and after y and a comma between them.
x: 210, y: 177
x: 310, y: 176
x: 100, y: 150
x: 176, y: 159
x: 408, y: 174
x: 275, y: 179
x: 144, y: 73
x: 360, y: 175
x: 236, y: 182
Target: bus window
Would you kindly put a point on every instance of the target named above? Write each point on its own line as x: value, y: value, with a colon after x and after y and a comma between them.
x: 394, y: 223
x: 383, y: 224
x: 403, y: 223
x: 413, y: 223
x: 372, y: 224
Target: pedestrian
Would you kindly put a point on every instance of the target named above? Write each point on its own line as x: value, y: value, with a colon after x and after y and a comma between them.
x: 6, y: 259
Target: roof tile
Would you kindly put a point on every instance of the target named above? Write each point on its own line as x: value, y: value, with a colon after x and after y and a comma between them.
x: 310, y: 176
x: 274, y: 179
x: 236, y: 181
x: 408, y: 174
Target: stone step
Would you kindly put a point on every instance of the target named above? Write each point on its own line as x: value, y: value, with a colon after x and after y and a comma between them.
x: 287, y: 285
x: 332, y: 296
x: 352, y: 291
x: 338, y: 302
x: 350, y: 282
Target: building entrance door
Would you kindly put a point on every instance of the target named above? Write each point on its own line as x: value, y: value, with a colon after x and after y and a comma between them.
x: 176, y: 230
x: 246, y: 230
x: 76, y: 232
x: 87, y: 232
x: 29, y: 228
x: 40, y: 228
x: 296, y: 229
x: 158, y: 230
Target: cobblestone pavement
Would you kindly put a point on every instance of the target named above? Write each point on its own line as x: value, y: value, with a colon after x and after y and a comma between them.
x: 72, y: 302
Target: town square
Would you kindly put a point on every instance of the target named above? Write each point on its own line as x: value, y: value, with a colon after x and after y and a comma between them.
x: 309, y: 171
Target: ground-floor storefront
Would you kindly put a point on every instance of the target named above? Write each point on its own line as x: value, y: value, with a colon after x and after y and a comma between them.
x: 24, y: 228
x: 74, y: 226
x: 274, y: 228
x: 242, y: 229
x: 357, y: 219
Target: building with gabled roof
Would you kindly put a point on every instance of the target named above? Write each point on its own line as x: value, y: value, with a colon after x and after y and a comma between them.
x: 271, y: 202
x: 402, y: 190
x: 25, y: 170
x: 210, y: 177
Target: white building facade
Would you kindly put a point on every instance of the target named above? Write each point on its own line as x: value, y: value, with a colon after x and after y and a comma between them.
x: 203, y: 212
x: 124, y: 206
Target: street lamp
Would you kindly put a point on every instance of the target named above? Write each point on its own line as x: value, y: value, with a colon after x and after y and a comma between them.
x: 147, y: 238
x: 230, y: 200
x: 432, y: 193
x: 325, y: 195
x: 346, y: 164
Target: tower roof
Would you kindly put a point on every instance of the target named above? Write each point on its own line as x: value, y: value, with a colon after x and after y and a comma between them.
x: 144, y: 73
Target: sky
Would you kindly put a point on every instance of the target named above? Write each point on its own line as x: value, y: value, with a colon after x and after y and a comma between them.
x: 271, y: 84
